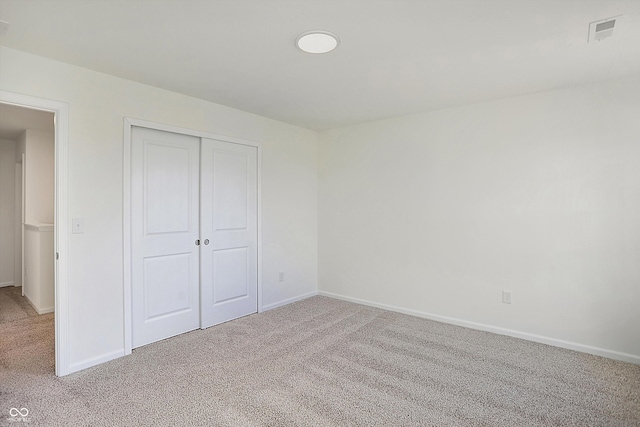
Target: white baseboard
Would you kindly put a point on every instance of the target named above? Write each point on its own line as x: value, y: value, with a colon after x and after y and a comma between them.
x: 38, y: 309
x: 44, y: 310
x: 288, y: 301
x: 611, y: 354
x: 31, y: 303
x: 94, y: 361
x: 3, y: 284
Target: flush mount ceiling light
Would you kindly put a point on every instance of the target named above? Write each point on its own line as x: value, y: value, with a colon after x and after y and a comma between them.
x: 317, y: 41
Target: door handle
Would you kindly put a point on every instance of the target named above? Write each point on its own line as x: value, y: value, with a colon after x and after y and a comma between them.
x: 197, y: 242
x: 206, y: 241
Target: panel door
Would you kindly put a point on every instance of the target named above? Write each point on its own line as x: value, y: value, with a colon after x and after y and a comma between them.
x: 229, y: 229
x: 164, y: 229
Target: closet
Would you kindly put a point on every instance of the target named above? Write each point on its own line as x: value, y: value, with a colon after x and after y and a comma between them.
x: 194, y: 226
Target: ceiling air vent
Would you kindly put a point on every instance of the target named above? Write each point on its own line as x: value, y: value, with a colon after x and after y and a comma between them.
x: 599, y: 30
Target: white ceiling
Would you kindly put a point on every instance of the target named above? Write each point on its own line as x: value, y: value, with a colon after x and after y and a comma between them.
x: 396, y: 57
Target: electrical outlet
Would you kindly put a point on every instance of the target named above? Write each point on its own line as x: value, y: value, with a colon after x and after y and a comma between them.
x: 506, y: 297
x: 281, y: 276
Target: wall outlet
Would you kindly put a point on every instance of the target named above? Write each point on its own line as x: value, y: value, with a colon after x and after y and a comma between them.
x: 506, y: 297
x: 281, y: 276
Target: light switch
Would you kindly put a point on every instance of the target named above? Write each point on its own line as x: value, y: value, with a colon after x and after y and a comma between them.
x: 77, y: 225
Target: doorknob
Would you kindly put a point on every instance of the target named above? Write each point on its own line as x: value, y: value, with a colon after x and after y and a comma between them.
x: 197, y: 242
x: 206, y: 241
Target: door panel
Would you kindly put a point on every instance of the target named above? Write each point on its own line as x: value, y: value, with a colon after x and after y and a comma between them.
x: 167, y: 187
x: 228, y: 219
x: 164, y: 228
x: 230, y: 274
x: 230, y: 171
x: 166, y: 292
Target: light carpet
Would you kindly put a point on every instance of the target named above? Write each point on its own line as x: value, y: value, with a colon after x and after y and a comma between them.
x: 13, y: 306
x: 320, y: 362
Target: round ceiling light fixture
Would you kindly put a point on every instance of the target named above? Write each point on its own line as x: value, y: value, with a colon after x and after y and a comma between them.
x: 317, y: 41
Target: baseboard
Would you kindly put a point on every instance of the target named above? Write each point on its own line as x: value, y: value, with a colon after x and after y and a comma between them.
x: 289, y: 301
x: 611, y: 354
x: 44, y: 310
x: 38, y: 309
x: 94, y: 361
x: 31, y: 302
x: 3, y: 284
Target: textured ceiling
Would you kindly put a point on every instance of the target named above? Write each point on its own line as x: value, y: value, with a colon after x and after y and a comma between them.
x: 396, y: 57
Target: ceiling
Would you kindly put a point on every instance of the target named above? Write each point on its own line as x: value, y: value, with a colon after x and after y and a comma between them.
x: 14, y: 120
x: 396, y: 57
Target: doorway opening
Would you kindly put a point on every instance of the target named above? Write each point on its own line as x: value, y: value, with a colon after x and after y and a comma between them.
x: 26, y: 224
x: 33, y: 197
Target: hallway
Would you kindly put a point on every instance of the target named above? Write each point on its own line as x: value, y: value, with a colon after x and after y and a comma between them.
x: 27, y: 340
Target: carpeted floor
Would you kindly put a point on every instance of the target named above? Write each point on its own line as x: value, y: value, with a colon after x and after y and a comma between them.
x: 13, y: 306
x: 320, y: 362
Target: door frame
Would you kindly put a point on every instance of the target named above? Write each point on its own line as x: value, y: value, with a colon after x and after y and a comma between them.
x: 23, y: 210
x: 60, y: 111
x: 129, y: 123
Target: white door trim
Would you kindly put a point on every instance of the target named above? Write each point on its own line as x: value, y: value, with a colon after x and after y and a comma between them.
x: 61, y: 282
x: 126, y: 207
x: 23, y: 198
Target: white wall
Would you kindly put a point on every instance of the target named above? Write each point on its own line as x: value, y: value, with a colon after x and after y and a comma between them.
x: 38, y: 149
x: 7, y: 208
x: 438, y: 213
x: 39, y: 179
x: 98, y: 104
x: 38, y: 267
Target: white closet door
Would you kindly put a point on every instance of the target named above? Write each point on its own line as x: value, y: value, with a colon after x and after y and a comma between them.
x: 164, y: 227
x: 229, y: 229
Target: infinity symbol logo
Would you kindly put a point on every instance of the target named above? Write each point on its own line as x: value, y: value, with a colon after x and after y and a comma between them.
x: 14, y: 412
